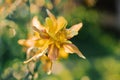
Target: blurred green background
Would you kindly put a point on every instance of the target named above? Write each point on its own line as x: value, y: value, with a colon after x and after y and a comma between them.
x: 98, y: 40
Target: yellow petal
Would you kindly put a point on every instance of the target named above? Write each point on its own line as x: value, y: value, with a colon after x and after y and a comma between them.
x: 62, y: 53
x: 52, y: 17
x: 50, y: 26
x: 40, y: 42
x: 26, y: 43
x: 34, y: 36
x: 53, y: 52
x: 71, y: 48
x: 61, y: 36
x: 73, y: 30
x: 61, y: 23
x: 53, y: 23
x: 21, y: 42
x: 48, y: 22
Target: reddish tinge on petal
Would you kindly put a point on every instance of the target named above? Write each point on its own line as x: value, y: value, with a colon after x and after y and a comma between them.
x: 73, y: 30
x: 71, y: 48
x: 43, y: 34
x: 53, y: 52
x: 36, y: 24
x: 39, y: 28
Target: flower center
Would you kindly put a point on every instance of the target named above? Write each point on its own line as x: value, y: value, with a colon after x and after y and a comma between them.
x: 60, y: 36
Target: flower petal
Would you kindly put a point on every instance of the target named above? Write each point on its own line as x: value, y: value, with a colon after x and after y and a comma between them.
x: 36, y: 24
x: 39, y: 28
x: 61, y: 23
x: 53, y: 52
x: 71, y: 48
x: 51, y: 28
x: 52, y: 24
x: 44, y: 34
x: 62, y: 53
x: 41, y: 42
x: 26, y: 43
x: 73, y: 30
x: 47, y: 64
x: 29, y: 52
x: 49, y: 22
x: 52, y: 17
x: 36, y: 56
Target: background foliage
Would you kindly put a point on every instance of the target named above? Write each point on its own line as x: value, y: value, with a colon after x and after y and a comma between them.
x: 98, y: 40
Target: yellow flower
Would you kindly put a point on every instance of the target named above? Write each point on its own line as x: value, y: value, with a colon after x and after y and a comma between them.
x: 52, y: 39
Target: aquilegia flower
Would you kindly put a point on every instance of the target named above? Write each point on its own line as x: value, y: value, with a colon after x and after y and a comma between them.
x: 51, y: 41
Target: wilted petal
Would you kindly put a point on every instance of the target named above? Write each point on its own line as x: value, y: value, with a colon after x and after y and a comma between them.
x: 38, y: 54
x: 53, y: 52
x: 36, y: 24
x: 39, y: 28
x: 44, y: 35
x: 31, y: 66
x: 27, y: 61
x: 73, y: 30
x: 29, y: 52
x: 47, y: 64
x: 61, y: 23
x: 71, y: 48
